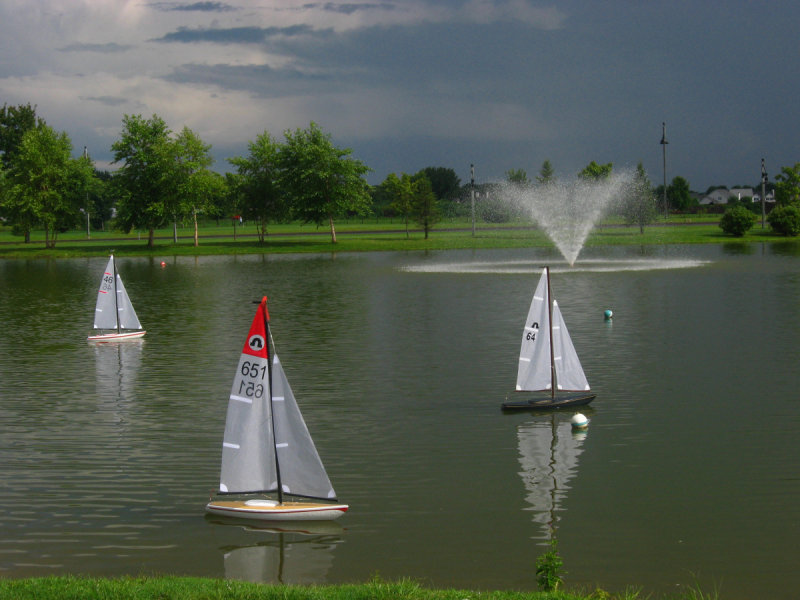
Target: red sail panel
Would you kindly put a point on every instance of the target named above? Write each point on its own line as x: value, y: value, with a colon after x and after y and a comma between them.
x: 256, y: 342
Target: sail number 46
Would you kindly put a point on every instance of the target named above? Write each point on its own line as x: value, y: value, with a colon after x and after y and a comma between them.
x: 255, y: 372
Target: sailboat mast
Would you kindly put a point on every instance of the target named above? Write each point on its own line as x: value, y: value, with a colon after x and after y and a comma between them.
x: 550, y: 323
x: 270, y: 348
x: 116, y: 296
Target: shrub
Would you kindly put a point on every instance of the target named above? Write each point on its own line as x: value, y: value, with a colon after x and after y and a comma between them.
x: 737, y: 221
x: 548, y: 569
x: 785, y: 220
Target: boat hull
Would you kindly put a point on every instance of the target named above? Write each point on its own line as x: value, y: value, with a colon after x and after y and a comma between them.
x: 116, y: 337
x: 288, y: 511
x: 549, y: 403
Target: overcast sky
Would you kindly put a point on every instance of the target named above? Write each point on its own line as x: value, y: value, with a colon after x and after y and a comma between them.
x: 406, y: 84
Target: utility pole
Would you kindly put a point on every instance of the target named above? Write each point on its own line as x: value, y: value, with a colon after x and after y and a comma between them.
x: 763, y: 191
x: 472, y: 194
x: 88, y: 231
x: 664, y: 143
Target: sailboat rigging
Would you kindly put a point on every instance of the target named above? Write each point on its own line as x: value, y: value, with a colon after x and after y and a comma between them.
x: 114, y: 310
x: 267, y: 451
x: 548, y: 361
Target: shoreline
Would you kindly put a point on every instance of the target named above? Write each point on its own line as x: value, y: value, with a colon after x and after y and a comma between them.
x: 368, y: 237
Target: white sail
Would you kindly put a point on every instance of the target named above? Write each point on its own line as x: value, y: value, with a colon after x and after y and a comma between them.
x: 249, y: 462
x: 536, y: 362
x: 533, y: 372
x: 127, y: 316
x: 111, y: 312
x: 302, y: 472
x: 105, y: 313
x: 569, y: 373
x: 248, y: 452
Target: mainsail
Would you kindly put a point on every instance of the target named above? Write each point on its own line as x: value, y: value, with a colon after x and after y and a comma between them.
x: 114, y: 309
x: 539, y: 363
x: 533, y: 372
x: 266, y: 445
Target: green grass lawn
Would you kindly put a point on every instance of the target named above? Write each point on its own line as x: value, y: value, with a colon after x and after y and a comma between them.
x: 201, y: 588
x: 366, y: 235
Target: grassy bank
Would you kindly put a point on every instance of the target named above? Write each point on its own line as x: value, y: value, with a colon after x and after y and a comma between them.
x: 195, y: 588
x: 364, y: 236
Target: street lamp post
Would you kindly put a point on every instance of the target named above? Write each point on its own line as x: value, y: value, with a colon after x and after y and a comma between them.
x: 472, y: 194
x: 763, y: 191
x: 664, y: 143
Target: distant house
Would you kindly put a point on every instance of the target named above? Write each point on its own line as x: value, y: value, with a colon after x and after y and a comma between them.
x: 719, y: 196
x: 741, y: 193
x: 769, y: 197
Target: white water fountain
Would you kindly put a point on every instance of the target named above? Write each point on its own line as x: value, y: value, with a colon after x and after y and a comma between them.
x: 567, y: 210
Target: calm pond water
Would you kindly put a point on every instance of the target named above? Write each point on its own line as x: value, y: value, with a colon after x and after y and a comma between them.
x: 689, y: 472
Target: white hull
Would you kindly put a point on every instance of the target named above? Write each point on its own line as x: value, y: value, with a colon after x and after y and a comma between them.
x: 116, y: 337
x: 288, y: 511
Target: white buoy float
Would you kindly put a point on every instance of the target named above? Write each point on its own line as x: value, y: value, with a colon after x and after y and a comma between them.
x: 579, y: 421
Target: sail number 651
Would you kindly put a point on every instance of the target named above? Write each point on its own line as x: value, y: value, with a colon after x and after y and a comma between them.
x: 253, y: 370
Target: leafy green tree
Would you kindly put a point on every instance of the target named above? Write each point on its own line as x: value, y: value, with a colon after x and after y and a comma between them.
x: 444, y: 182
x: 737, y: 220
x: 196, y: 184
x: 424, y: 205
x: 101, y: 200
x: 323, y: 182
x: 258, y: 184
x: 596, y: 171
x: 46, y: 185
x: 679, y: 196
x: 546, y: 173
x: 640, y: 205
x: 787, y: 185
x: 518, y: 177
x: 15, y: 121
x: 399, y: 192
x: 145, y: 180
x: 785, y: 220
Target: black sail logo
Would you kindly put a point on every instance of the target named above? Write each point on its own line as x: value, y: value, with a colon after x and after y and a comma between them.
x: 256, y: 343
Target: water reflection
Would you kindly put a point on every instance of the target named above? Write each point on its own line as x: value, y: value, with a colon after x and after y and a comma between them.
x: 291, y: 553
x: 549, y: 449
x: 116, y: 366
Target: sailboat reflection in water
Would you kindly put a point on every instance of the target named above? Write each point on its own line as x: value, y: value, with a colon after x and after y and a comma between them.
x: 299, y: 553
x: 549, y: 449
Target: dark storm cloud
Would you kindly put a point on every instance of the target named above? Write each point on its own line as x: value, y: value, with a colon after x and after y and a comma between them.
x: 233, y: 35
x: 349, y: 9
x: 101, y: 48
x: 261, y: 80
x: 106, y: 100
x: 194, y: 7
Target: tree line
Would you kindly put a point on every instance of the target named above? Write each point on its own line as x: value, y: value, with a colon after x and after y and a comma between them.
x: 164, y: 177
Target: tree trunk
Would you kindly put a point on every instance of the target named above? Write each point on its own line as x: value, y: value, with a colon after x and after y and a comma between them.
x: 194, y: 215
x: 175, y: 230
x: 333, y: 230
x: 151, y: 238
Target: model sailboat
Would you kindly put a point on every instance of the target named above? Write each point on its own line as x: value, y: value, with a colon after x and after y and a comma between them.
x: 114, y: 310
x: 547, y: 359
x: 268, y: 455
